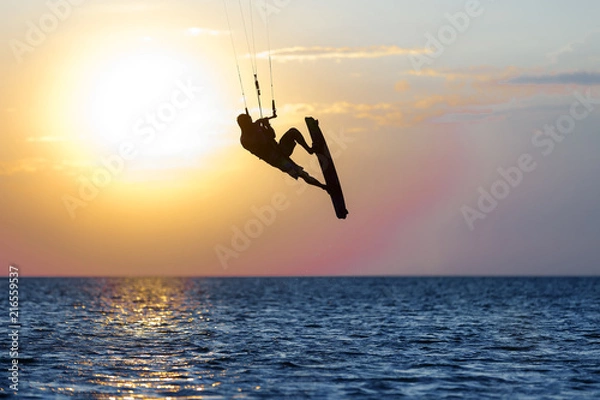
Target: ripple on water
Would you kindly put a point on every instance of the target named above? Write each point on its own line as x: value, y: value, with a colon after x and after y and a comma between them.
x: 319, y: 338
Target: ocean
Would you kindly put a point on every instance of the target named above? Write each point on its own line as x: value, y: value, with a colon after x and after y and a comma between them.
x: 320, y: 338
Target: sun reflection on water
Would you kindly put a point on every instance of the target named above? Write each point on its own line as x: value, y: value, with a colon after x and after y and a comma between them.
x: 151, y: 345
x: 115, y: 338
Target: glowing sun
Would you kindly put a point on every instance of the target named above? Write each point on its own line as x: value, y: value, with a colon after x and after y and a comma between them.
x: 153, y: 101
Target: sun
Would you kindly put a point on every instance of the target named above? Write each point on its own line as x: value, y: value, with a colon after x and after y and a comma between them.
x: 156, y: 101
x: 124, y: 87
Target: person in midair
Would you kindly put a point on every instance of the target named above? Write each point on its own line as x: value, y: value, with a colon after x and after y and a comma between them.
x: 258, y: 137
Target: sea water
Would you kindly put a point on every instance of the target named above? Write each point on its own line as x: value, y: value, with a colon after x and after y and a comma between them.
x: 306, y: 338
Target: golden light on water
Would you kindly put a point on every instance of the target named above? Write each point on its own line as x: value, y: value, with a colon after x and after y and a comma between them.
x: 156, y: 338
x: 150, y: 315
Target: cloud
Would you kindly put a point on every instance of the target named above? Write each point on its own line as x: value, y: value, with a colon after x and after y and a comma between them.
x: 567, y: 78
x: 300, y: 53
x: 482, y: 73
x: 402, y: 86
x: 475, y: 94
x: 490, y: 85
x: 46, y: 139
x: 197, y: 31
x: 583, y: 49
x: 23, y: 165
x: 478, y: 93
x: 32, y: 165
x: 380, y: 113
x: 120, y: 7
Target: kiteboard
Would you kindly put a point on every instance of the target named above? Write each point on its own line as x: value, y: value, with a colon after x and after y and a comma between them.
x: 326, y: 162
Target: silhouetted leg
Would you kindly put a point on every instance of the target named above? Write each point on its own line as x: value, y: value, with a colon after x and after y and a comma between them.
x: 288, y: 141
x: 312, y: 181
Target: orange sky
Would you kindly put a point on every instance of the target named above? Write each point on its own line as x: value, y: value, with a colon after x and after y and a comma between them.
x: 140, y: 99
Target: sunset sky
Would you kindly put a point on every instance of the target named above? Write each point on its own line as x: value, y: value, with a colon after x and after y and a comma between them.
x: 120, y: 155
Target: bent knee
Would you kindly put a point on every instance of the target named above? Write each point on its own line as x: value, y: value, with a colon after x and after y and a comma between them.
x: 293, y: 132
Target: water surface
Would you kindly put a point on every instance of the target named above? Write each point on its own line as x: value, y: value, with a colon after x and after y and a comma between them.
x: 309, y: 338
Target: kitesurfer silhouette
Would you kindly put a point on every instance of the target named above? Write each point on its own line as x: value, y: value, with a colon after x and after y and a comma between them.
x: 258, y: 138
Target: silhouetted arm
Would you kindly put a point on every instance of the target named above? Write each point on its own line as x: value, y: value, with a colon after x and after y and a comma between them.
x: 266, y: 128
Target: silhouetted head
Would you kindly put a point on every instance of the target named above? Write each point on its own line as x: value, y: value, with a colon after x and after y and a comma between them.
x: 244, y: 121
